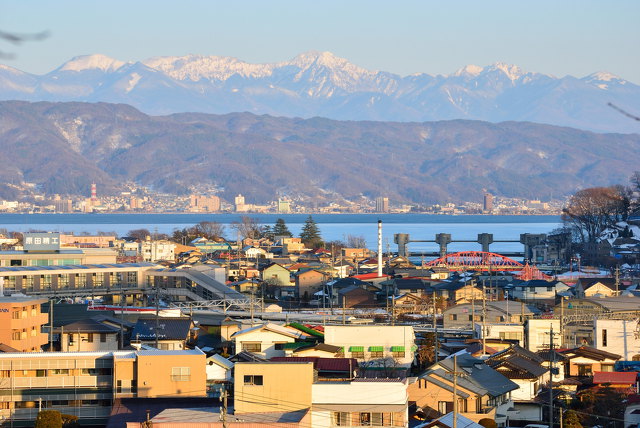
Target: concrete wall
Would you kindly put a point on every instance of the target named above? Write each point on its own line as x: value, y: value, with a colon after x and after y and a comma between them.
x: 372, y: 335
x: 618, y: 337
x: 284, y: 387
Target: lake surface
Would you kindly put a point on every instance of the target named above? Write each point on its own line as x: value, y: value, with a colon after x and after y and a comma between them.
x: 332, y: 226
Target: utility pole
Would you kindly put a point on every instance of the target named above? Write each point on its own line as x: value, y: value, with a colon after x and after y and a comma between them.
x: 223, y: 409
x: 455, y: 391
x: 617, y: 272
x: 157, y: 315
x: 484, y: 320
x: 552, y: 364
x: 50, y: 325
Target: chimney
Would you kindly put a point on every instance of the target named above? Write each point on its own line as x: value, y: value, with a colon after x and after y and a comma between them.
x: 379, y: 248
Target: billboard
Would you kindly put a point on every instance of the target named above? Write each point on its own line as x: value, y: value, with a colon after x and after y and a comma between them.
x: 41, y: 241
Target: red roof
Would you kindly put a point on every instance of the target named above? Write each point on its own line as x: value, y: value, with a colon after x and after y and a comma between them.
x: 372, y: 275
x: 616, y: 378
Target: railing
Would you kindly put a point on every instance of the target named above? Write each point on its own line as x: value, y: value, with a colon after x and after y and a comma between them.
x: 81, y: 412
x: 59, y: 382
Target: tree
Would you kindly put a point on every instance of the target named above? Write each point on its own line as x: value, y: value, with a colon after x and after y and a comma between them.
x: 591, y: 211
x: 571, y: 419
x: 356, y: 241
x: 247, y: 227
x: 281, y: 229
x: 310, y: 234
x: 48, y: 419
x: 210, y: 230
x: 139, y: 234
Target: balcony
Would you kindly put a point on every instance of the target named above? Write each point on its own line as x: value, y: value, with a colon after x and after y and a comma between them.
x: 81, y: 412
x: 59, y: 382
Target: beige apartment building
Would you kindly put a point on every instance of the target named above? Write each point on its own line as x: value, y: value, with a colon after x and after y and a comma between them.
x: 86, y: 383
x: 21, y: 322
x: 294, y: 387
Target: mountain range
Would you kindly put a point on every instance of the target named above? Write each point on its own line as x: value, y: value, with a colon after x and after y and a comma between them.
x: 63, y: 147
x: 321, y: 84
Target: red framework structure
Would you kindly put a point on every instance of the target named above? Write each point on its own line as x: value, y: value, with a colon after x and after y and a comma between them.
x: 477, y: 260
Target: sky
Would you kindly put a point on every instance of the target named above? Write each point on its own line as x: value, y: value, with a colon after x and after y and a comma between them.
x: 559, y: 37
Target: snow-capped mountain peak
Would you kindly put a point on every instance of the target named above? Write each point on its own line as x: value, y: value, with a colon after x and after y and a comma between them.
x: 196, y: 67
x: 327, y: 59
x: 603, y: 76
x: 513, y: 72
x: 469, y: 70
x: 89, y: 62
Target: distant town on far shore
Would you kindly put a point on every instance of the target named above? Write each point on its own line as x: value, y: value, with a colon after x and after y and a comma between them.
x: 143, y: 200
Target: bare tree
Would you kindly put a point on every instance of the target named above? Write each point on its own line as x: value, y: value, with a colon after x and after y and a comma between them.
x: 139, y: 234
x: 356, y: 241
x: 247, y: 227
x: 591, y: 211
x: 210, y: 229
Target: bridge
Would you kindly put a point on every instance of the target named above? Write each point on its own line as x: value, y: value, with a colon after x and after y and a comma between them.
x: 529, y: 240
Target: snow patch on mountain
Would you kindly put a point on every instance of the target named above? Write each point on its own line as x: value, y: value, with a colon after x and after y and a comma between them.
x: 469, y: 70
x: 135, y: 78
x: 91, y: 62
x: 197, y: 67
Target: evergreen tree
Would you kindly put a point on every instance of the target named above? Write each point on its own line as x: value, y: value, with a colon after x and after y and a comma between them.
x: 310, y: 234
x: 281, y: 229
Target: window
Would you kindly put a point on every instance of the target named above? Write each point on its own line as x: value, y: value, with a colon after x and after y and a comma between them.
x: 365, y: 418
x: 453, y: 317
x: 251, y: 346
x: 59, y: 371
x: 181, y: 374
x: 253, y: 380
x: 377, y: 354
x: 584, y: 370
x: 445, y: 407
x: 549, y: 288
x: 604, y: 337
x: 15, y: 335
x: 606, y: 367
x: 357, y: 354
x: 90, y: 337
x: 279, y: 346
x: 470, y: 317
x: 41, y: 373
x: 510, y: 335
x: 341, y: 418
x: 103, y: 337
x: 15, y: 315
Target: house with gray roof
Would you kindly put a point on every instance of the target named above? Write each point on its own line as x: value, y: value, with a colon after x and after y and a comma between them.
x: 482, y: 392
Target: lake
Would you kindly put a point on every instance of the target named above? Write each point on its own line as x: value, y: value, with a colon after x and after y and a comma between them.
x: 332, y: 226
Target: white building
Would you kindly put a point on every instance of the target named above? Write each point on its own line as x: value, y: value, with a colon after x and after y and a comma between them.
x: 374, y: 344
x: 267, y: 340
x: 502, y: 331
x: 618, y: 337
x: 152, y: 251
x: 537, y: 334
x: 376, y: 402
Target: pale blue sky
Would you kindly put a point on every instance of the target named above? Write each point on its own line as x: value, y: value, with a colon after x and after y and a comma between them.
x: 437, y: 37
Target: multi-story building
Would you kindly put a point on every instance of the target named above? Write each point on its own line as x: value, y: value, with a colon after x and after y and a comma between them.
x: 204, y: 203
x: 487, y: 203
x: 291, y: 387
x: 382, y: 204
x: 43, y: 249
x: 21, y: 323
x: 375, y: 347
x: 85, y: 384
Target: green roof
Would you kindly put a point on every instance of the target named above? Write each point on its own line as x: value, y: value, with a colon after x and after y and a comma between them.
x: 296, y: 345
x: 306, y: 329
x: 376, y: 348
x: 356, y: 349
x: 397, y: 349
